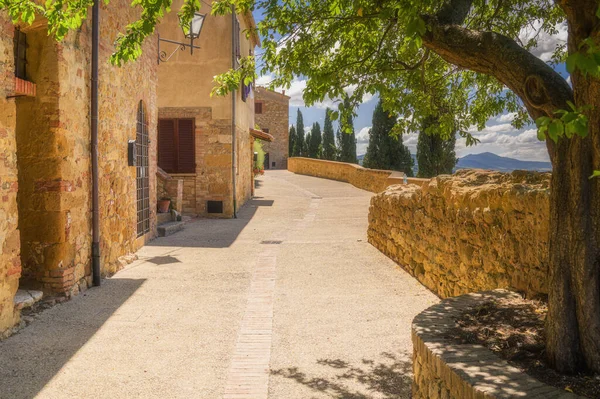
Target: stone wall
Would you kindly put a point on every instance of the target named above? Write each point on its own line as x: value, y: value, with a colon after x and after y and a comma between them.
x: 373, y: 180
x: 274, y: 119
x: 445, y: 369
x: 471, y: 231
x: 169, y: 187
x: 10, y: 261
x: 48, y: 136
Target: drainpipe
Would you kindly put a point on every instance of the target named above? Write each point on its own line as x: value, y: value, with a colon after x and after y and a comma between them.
x: 233, y: 97
x: 94, y: 128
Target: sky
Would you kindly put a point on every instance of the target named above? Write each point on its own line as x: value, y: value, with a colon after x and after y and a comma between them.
x: 498, y: 136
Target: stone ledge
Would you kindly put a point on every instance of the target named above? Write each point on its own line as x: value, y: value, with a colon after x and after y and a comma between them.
x: 444, y: 369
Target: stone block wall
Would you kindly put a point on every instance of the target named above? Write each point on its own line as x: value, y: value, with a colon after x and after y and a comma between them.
x: 169, y: 187
x: 274, y: 119
x: 244, y: 172
x: 445, y: 369
x: 373, y: 180
x: 10, y: 261
x: 471, y: 231
x: 212, y: 180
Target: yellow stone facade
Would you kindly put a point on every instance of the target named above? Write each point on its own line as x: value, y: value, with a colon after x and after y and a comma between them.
x: 274, y: 119
x: 185, y: 83
x: 45, y: 171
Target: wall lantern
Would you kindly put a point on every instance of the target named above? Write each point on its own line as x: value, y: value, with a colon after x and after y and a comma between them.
x: 192, y: 33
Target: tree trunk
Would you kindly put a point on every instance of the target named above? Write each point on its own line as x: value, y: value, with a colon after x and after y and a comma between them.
x: 573, y: 324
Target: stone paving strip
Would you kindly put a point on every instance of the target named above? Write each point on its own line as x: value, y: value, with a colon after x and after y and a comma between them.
x: 249, y: 372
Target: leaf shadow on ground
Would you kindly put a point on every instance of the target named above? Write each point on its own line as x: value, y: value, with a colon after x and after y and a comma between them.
x: 387, y: 378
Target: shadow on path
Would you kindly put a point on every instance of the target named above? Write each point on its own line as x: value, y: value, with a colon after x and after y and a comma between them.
x: 32, y: 357
x: 213, y: 233
x: 390, y: 378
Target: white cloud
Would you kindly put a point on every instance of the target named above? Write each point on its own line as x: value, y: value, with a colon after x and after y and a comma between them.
x: 506, y: 118
x: 547, y: 43
x: 362, y: 140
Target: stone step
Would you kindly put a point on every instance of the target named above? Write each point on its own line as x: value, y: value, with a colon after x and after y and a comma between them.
x: 26, y: 298
x: 167, y: 229
x: 162, y: 218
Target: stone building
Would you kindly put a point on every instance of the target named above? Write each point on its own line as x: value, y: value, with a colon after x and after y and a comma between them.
x: 204, y: 140
x: 272, y: 112
x: 45, y: 156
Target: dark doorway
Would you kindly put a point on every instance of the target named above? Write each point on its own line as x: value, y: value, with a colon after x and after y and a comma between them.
x: 267, y: 163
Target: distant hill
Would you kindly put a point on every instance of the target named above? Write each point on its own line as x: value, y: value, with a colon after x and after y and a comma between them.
x: 487, y: 160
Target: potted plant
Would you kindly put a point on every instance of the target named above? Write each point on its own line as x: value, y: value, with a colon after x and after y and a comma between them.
x: 164, y: 204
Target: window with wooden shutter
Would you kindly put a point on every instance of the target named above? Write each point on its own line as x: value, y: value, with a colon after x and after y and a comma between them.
x: 186, y: 152
x: 258, y: 109
x: 176, y: 145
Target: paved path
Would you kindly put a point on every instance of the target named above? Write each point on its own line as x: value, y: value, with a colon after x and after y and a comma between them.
x: 288, y: 301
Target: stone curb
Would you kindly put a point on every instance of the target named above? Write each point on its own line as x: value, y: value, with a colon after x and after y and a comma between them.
x: 444, y: 369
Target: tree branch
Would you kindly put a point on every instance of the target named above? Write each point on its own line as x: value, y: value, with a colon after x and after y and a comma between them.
x: 542, y: 89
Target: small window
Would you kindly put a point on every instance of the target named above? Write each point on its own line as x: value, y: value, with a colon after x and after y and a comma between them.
x: 20, y: 46
x: 176, y: 145
x: 266, y: 130
x: 272, y: 164
x: 258, y: 109
x: 214, y: 206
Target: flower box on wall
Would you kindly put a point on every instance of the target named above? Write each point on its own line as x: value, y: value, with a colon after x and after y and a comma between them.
x: 24, y: 88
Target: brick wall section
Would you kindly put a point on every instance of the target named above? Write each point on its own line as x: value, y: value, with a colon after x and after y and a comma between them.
x: 373, y: 180
x: 444, y: 369
x: 275, y: 118
x: 10, y: 262
x: 212, y: 180
x: 471, y: 231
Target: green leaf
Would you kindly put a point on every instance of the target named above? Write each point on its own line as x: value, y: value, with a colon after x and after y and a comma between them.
x: 555, y: 130
x: 541, y: 135
x: 543, y: 121
x: 595, y: 174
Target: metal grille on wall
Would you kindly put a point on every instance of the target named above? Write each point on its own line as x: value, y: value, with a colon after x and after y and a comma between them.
x: 142, y: 173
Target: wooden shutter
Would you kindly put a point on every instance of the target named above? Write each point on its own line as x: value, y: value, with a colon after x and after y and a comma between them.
x: 258, y: 108
x: 166, y: 145
x: 186, y: 147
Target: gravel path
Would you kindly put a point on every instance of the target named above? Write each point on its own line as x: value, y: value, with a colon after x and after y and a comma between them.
x: 287, y: 301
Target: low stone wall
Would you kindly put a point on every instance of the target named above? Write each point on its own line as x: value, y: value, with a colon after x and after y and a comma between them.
x: 373, y: 180
x: 168, y: 187
x: 445, y: 369
x: 472, y: 231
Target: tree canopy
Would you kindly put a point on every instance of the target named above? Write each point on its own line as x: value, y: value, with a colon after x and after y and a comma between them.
x: 329, y: 148
x: 435, y: 155
x: 314, y: 143
x: 299, y: 144
x: 386, y: 150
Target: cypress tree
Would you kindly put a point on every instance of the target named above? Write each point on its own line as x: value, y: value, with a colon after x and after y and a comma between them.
x: 329, y: 149
x: 348, y: 140
x: 291, y: 141
x: 314, y: 143
x: 435, y: 155
x: 299, y: 145
x: 386, y: 151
